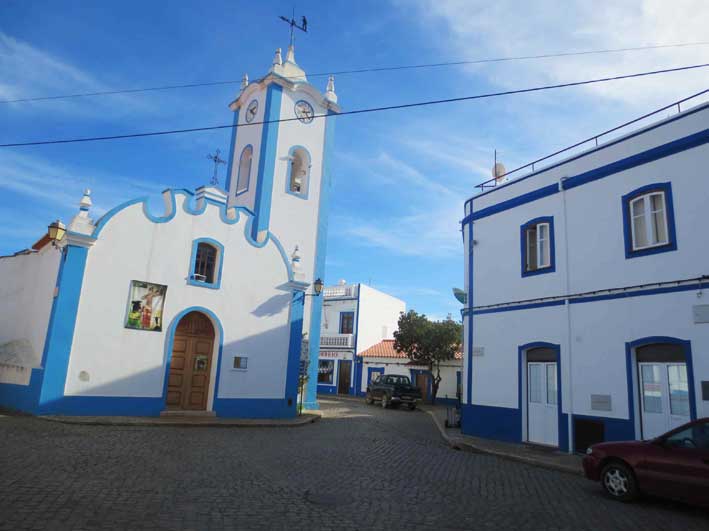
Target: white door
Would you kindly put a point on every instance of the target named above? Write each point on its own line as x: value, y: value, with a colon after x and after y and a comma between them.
x: 542, y: 407
x: 664, y: 397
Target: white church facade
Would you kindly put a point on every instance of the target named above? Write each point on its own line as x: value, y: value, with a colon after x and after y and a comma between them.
x: 199, y: 307
x: 587, y: 316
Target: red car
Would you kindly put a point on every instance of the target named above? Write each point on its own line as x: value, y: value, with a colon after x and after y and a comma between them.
x: 674, y: 465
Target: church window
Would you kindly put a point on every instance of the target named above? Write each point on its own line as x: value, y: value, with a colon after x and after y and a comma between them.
x: 298, y: 172
x: 206, y: 263
x: 244, y: 176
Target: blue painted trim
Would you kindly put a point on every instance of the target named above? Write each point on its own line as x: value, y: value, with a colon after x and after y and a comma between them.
x: 371, y: 371
x: 631, y: 368
x: 218, y: 265
x: 562, y: 426
x: 232, y: 147
x: 295, y: 345
x: 358, y: 373
x: 671, y: 245
x: 523, y: 246
x: 650, y: 155
x: 595, y: 298
x: 324, y: 389
x: 320, y: 254
x: 490, y: 422
x: 665, y: 150
x: 248, y: 173
x: 171, y: 339
x: 512, y: 203
x: 254, y: 408
x: 304, y: 194
x: 60, y: 333
x: 267, y: 160
x: 591, y: 151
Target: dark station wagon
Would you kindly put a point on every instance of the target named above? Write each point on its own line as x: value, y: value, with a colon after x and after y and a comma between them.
x: 674, y: 465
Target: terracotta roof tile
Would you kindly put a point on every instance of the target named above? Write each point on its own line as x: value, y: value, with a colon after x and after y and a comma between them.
x: 385, y: 349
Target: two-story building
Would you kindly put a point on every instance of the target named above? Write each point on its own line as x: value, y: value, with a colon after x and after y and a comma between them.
x: 587, y: 318
x: 354, y: 317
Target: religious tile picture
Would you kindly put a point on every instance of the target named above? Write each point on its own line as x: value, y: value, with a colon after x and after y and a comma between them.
x: 145, y: 305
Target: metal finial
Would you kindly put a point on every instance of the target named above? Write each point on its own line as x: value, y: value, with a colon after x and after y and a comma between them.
x: 217, y: 161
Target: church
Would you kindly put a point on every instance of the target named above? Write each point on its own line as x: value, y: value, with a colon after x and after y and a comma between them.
x: 199, y: 307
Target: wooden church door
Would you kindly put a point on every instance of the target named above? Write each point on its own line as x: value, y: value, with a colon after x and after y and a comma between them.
x: 191, y: 364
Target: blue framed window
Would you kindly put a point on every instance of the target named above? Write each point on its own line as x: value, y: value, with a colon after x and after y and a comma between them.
x: 298, y: 178
x: 346, y: 322
x: 244, y: 175
x: 206, y: 263
x: 649, y: 220
x: 537, y: 246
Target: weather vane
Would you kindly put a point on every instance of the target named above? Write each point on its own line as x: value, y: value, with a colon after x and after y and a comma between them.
x: 293, y: 24
x: 217, y: 161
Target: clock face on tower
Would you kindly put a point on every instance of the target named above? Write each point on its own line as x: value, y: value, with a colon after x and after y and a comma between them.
x: 304, y: 111
x: 251, y: 111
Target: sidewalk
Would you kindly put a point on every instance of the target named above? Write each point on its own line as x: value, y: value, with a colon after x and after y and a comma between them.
x: 187, y: 421
x: 531, y: 455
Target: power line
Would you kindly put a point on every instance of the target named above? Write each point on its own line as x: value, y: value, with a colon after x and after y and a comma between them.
x: 364, y: 70
x: 364, y: 111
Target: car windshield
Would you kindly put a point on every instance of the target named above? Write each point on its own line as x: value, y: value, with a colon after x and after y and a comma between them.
x: 695, y: 436
x: 399, y: 380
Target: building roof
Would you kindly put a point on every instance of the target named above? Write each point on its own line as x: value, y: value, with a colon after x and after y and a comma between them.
x: 385, y: 349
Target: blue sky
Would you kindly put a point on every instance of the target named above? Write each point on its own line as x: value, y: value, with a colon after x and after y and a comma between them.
x: 400, y: 177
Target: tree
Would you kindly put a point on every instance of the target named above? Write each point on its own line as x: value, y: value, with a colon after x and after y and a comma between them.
x: 428, y: 343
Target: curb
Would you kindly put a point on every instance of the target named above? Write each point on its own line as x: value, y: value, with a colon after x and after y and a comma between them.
x: 302, y: 420
x: 466, y: 446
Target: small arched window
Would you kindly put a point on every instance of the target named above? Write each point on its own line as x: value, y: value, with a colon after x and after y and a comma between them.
x: 298, y: 172
x: 206, y: 263
x: 244, y: 176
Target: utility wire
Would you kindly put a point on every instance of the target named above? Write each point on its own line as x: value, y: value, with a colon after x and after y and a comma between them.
x: 364, y: 70
x: 363, y: 111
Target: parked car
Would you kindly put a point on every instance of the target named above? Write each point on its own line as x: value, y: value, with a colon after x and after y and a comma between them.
x: 674, y: 465
x: 393, y: 390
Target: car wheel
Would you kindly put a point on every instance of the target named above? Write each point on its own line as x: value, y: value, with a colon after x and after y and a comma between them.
x: 619, y: 482
x: 368, y: 398
x: 412, y: 407
x: 385, y: 402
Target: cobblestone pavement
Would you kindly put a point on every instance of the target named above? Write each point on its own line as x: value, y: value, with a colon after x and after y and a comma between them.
x: 360, y: 467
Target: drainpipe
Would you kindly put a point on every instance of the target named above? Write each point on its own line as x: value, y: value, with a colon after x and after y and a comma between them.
x: 567, y: 305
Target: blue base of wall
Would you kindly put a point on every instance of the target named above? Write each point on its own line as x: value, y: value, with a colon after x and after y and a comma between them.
x: 327, y: 389
x: 615, y: 429
x: 499, y: 423
x: 109, y: 406
x: 311, y: 405
x: 22, y: 397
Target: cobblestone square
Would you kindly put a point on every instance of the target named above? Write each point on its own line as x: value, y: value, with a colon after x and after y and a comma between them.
x: 360, y: 467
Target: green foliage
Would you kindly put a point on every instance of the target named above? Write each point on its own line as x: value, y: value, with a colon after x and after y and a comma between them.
x: 428, y: 343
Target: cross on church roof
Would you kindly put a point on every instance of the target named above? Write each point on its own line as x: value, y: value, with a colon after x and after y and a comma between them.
x: 217, y: 161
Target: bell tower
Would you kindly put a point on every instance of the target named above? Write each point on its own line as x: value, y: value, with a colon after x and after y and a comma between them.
x: 278, y: 170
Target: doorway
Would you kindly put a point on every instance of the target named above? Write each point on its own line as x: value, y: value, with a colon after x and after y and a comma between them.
x: 542, y: 396
x: 663, y: 388
x: 191, y: 363
x: 422, y: 382
x: 344, y: 377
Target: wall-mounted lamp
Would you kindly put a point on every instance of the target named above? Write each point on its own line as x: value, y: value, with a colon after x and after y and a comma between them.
x: 56, y: 232
x: 317, y: 288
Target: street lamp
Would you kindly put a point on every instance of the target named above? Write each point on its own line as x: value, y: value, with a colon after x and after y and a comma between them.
x: 317, y: 288
x: 56, y: 231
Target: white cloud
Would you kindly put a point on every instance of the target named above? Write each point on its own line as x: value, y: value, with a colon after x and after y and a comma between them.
x: 30, y: 72
x: 479, y: 29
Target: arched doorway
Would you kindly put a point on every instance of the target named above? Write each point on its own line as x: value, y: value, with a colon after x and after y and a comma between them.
x: 191, y: 363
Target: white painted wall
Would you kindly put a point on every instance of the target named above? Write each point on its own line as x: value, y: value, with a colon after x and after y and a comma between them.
x: 378, y: 316
x: 252, y: 310
x: 26, y: 296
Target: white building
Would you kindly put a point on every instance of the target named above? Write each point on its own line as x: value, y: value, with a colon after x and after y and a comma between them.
x: 383, y: 358
x: 198, y: 307
x: 354, y: 317
x: 586, y: 280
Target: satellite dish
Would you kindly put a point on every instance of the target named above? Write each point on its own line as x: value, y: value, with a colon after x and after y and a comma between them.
x: 460, y: 295
x: 498, y: 172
